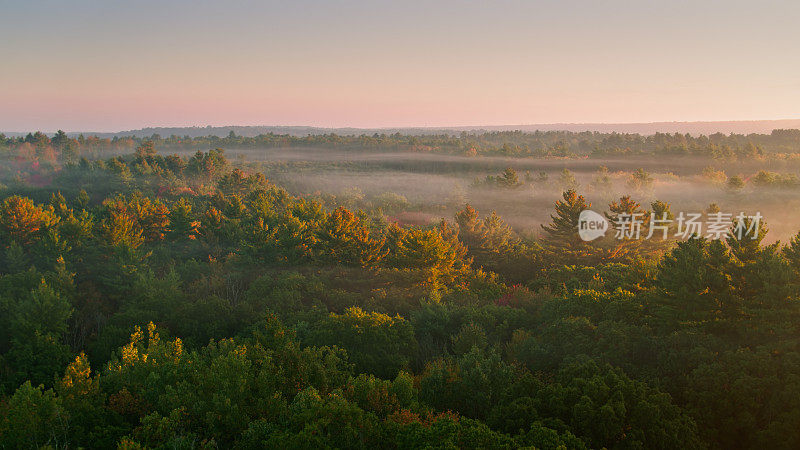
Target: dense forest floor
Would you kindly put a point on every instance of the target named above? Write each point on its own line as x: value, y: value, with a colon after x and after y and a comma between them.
x: 156, y: 296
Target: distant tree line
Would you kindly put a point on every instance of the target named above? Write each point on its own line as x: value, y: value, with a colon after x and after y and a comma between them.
x: 499, y: 143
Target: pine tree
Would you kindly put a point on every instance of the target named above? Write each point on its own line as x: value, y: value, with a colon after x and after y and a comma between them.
x: 562, y: 244
x: 471, y: 230
x: 628, y: 214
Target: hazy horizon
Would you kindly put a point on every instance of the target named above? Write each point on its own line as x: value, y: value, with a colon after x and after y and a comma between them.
x: 692, y: 127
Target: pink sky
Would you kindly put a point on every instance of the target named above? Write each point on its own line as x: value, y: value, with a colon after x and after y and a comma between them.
x: 98, y: 66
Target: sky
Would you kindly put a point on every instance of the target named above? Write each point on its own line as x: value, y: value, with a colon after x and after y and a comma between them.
x: 112, y: 65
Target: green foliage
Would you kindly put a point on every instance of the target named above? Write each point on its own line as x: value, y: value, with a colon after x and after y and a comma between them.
x: 34, y: 418
x: 567, y: 181
x: 376, y: 343
x: 181, y: 303
x: 735, y: 183
x: 472, y: 384
x: 607, y: 409
x: 33, y: 326
x: 563, y: 245
x: 747, y: 399
x: 507, y: 180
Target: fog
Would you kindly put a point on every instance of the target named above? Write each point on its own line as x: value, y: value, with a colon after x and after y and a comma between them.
x: 423, y: 187
x: 435, y: 186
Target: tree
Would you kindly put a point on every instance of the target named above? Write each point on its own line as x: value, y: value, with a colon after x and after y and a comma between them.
x: 471, y: 230
x: 607, y: 409
x: 145, y: 150
x: 284, y: 294
x: 344, y: 238
x: 735, y: 183
x: 641, y: 181
x: 376, y: 343
x: 59, y: 140
x: 181, y: 223
x: 564, y: 226
x: 23, y: 222
x: 83, y: 400
x: 628, y: 218
x: 567, y: 180
x: 697, y: 284
x: 562, y: 244
x: 602, y: 183
x: 34, y: 419
x: 436, y: 252
x: 241, y: 183
x: 473, y: 384
x: 122, y: 229
x: 743, y: 398
x: 35, y: 328
x: 490, y: 241
x: 792, y: 252
x: 208, y: 166
x: 509, y: 177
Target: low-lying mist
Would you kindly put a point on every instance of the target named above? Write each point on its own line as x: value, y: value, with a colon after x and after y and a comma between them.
x: 423, y: 188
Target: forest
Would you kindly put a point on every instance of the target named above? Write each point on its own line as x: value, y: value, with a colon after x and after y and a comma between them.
x: 394, y: 291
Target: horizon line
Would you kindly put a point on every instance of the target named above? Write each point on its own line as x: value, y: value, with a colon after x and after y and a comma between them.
x: 415, y: 127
